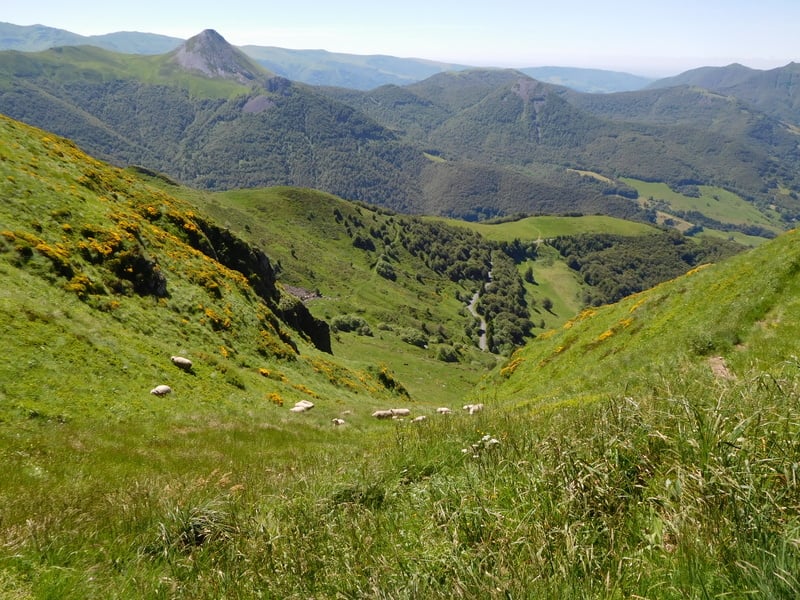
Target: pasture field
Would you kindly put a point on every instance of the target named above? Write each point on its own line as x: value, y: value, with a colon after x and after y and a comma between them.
x: 544, y: 227
x: 714, y: 202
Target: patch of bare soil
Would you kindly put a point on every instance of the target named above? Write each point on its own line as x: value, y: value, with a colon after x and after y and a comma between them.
x: 720, y: 369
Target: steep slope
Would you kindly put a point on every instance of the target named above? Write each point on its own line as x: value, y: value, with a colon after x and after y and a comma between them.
x: 736, y: 313
x: 645, y: 448
x: 100, y: 263
x: 394, y: 288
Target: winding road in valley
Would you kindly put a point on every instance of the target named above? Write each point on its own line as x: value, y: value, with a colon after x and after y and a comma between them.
x: 482, y: 342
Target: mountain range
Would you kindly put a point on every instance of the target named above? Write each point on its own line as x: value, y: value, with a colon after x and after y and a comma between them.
x: 473, y: 143
x: 315, y: 67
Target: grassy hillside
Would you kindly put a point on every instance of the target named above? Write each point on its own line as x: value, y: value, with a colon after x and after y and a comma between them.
x: 331, y: 249
x: 717, y: 208
x: 65, y: 66
x: 103, y: 265
x: 746, y: 323
x: 647, y: 448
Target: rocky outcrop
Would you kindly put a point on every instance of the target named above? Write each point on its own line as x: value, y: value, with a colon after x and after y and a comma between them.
x: 209, y: 54
x: 230, y: 250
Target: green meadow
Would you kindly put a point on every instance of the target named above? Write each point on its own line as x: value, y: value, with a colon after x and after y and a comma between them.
x: 544, y: 227
x: 714, y: 202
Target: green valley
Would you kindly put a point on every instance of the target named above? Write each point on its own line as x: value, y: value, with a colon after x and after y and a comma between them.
x: 472, y: 337
x: 646, y: 445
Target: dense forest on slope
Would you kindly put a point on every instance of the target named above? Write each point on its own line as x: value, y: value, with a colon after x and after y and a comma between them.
x: 616, y: 266
x: 773, y: 91
x: 503, y: 116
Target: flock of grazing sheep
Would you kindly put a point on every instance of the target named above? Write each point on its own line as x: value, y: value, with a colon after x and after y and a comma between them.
x: 306, y: 405
x: 389, y: 413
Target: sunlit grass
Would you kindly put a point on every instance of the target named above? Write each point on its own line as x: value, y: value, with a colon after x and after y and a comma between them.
x: 610, y: 460
x: 714, y: 202
x: 545, y: 227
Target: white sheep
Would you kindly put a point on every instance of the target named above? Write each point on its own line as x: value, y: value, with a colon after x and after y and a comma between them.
x: 443, y: 410
x: 419, y: 419
x: 302, y: 406
x: 473, y: 408
x: 383, y: 414
x: 161, y: 390
x: 337, y: 422
x: 181, y: 362
x: 400, y: 412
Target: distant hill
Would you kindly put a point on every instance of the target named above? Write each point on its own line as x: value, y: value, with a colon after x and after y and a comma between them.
x: 592, y: 81
x: 355, y: 71
x: 676, y: 136
x: 315, y: 67
x: 774, y: 91
x: 366, y: 72
x: 175, y: 113
x: 34, y: 38
x: 207, y: 115
x: 711, y: 78
x: 211, y: 56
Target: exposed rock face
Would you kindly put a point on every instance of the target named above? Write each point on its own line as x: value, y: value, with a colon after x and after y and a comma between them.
x: 233, y: 252
x: 209, y: 54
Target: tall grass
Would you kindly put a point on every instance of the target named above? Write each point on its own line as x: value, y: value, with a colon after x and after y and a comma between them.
x: 690, y: 491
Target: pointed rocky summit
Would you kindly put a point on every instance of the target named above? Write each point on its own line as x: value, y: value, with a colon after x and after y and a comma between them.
x: 208, y: 53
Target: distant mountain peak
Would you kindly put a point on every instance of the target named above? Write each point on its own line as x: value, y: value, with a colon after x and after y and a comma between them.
x: 210, y: 54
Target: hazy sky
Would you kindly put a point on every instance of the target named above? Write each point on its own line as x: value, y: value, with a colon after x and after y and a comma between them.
x: 640, y: 36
